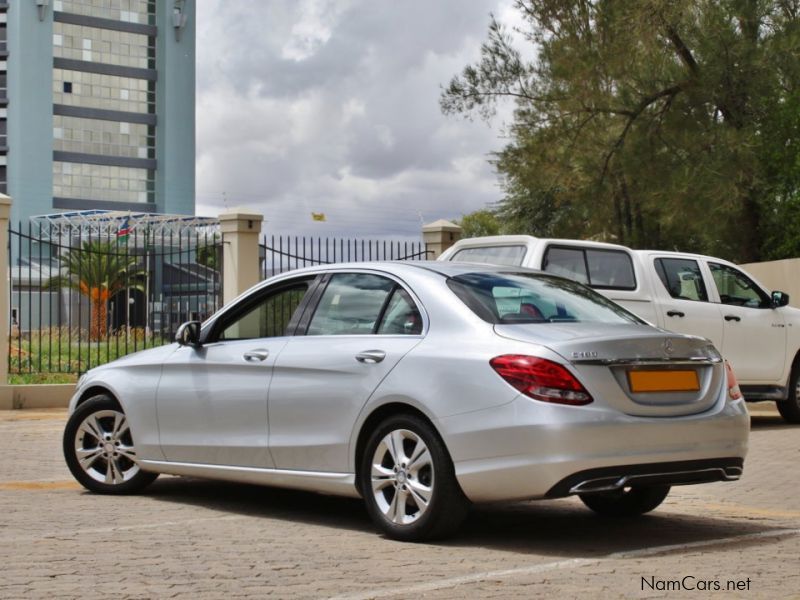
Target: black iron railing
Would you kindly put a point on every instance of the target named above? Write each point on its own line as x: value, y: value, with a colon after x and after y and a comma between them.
x: 286, y: 253
x: 82, y: 297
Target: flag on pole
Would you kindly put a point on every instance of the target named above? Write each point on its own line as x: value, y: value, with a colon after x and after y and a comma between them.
x: 123, y: 232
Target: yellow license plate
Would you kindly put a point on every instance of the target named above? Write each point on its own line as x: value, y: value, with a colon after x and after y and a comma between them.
x: 663, y: 381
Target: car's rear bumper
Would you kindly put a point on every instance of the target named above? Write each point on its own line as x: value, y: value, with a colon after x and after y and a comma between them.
x: 539, y: 450
x: 685, y: 472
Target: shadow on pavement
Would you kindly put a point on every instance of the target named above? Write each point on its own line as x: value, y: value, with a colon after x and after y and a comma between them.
x: 776, y: 422
x: 562, y: 528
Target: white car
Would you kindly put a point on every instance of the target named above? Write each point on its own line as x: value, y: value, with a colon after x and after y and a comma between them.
x: 421, y: 387
x: 686, y: 293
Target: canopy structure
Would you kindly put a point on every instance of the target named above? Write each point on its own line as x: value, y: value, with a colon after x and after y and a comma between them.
x: 140, y: 225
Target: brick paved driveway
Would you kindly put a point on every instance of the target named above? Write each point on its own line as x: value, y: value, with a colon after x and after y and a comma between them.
x: 188, y: 538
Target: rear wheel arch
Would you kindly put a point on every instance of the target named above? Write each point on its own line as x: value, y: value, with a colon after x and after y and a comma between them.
x: 377, y: 416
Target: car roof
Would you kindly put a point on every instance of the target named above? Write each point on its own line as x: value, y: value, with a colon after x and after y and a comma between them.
x: 677, y: 254
x: 397, y: 267
x: 501, y: 240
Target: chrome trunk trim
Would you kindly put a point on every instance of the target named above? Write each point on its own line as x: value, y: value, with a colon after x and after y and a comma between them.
x: 640, y: 362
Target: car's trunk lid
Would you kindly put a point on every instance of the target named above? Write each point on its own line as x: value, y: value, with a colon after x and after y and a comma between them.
x: 634, y: 368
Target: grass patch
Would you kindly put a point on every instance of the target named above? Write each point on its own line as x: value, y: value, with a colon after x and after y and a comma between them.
x: 57, y: 356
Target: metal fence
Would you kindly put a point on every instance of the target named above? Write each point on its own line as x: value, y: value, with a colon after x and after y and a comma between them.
x: 82, y: 296
x: 286, y: 253
x: 86, y: 291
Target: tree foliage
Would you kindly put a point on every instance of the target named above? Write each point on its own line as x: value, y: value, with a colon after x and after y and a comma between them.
x: 656, y: 123
x: 99, y: 271
x: 479, y: 223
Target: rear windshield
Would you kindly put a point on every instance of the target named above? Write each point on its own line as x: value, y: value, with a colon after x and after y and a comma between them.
x: 493, y: 255
x: 535, y: 298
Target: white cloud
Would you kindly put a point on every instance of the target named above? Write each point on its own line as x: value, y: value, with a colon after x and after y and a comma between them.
x: 332, y: 106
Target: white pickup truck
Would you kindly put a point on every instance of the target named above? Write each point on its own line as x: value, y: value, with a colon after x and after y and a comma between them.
x: 686, y: 293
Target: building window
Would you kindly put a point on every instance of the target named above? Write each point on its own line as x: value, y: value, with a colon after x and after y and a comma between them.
x: 67, y: 87
x: 102, y: 182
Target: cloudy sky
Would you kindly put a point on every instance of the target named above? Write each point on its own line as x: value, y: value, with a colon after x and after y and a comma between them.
x: 332, y: 106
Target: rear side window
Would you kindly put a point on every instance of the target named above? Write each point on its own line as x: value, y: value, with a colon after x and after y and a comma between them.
x: 682, y: 278
x: 535, y: 298
x: 493, y: 255
x: 598, y: 268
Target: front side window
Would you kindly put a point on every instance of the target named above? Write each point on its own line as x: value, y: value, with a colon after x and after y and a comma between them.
x: 736, y: 288
x: 493, y: 255
x: 352, y: 304
x: 682, y: 278
x: 533, y: 298
x: 269, y: 317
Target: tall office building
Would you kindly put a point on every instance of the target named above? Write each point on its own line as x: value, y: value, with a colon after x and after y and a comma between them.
x: 97, y: 105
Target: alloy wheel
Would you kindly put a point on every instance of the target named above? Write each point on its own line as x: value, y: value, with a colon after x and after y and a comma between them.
x: 402, y: 476
x: 104, y: 448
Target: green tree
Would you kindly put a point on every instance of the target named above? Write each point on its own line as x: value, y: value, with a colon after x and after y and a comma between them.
x: 662, y: 123
x: 479, y: 223
x: 98, y: 271
x: 208, y: 252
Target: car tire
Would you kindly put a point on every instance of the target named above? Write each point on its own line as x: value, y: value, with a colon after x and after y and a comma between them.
x: 630, y: 502
x: 99, y: 449
x: 408, y: 481
x: 790, y: 408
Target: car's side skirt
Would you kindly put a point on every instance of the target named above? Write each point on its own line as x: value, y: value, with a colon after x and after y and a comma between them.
x: 339, y: 484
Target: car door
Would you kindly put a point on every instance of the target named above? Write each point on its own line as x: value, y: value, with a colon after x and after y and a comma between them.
x: 212, y: 399
x: 683, y: 299
x: 363, y: 324
x: 754, y: 338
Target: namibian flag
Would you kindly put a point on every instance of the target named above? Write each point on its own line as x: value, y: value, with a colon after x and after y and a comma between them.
x: 123, y: 232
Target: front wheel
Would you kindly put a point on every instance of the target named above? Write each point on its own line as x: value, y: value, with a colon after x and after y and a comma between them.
x: 790, y: 408
x: 408, y: 481
x: 628, y: 502
x: 99, y: 449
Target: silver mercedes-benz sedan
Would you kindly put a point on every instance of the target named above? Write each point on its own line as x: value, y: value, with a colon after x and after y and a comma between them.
x: 421, y: 387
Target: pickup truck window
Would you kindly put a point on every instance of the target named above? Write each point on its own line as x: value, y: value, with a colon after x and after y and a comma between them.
x: 682, y: 278
x: 736, y: 288
x: 604, y: 269
x: 494, y: 255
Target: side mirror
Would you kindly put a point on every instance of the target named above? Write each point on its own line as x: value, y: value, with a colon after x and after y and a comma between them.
x: 188, y: 334
x: 779, y: 299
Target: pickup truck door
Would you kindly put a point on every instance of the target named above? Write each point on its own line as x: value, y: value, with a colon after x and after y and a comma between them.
x: 684, y: 302
x: 754, y: 338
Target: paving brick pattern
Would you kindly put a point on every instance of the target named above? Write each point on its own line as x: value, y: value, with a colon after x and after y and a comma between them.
x: 187, y: 538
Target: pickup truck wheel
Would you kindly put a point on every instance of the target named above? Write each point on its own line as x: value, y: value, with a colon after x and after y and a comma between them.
x: 790, y: 408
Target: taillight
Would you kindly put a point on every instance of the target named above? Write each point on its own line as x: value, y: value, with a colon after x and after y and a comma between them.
x: 541, y: 379
x: 734, y: 393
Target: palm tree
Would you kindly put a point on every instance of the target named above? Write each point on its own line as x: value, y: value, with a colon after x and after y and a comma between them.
x: 99, y: 271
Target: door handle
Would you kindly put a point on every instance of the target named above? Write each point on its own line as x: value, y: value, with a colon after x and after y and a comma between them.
x: 371, y: 356
x: 258, y: 354
x: 675, y: 313
x: 732, y: 318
